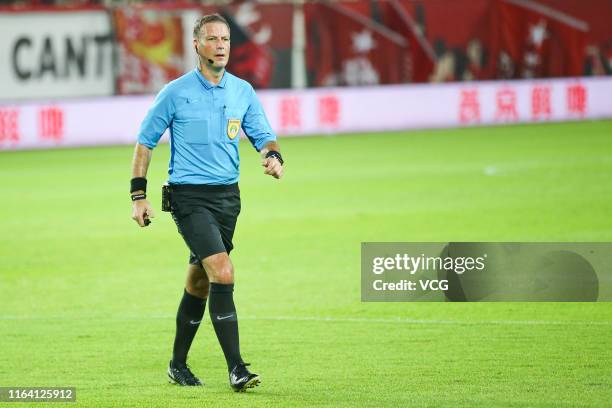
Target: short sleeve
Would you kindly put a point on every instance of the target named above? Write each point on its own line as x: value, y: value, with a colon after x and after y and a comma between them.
x: 157, y: 120
x: 255, y: 124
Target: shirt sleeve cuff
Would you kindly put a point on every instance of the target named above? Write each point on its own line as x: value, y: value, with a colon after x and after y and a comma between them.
x: 263, y: 142
x: 145, y: 142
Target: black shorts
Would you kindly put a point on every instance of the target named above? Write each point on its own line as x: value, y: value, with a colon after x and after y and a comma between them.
x: 205, y: 216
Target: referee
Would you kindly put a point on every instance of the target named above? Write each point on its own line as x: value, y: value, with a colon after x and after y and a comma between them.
x: 204, y: 110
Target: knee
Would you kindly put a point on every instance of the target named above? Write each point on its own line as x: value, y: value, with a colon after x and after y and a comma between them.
x: 219, y: 268
x: 198, y: 288
x: 197, y: 282
x: 224, y: 274
x: 220, y: 272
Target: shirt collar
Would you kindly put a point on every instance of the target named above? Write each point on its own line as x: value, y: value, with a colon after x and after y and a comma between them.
x: 207, y: 84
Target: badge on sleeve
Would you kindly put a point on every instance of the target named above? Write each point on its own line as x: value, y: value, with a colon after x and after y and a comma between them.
x: 233, y: 127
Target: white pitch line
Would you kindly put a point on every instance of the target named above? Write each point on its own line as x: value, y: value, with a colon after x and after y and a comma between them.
x: 394, y: 320
x: 427, y: 321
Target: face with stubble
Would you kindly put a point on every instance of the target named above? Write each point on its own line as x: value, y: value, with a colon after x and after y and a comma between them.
x: 213, y: 45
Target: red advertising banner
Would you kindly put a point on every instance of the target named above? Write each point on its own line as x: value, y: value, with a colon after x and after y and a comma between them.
x: 137, y: 49
x: 262, y: 40
x: 345, y: 48
x: 249, y: 60
x: 150, y: 48
x: 533, y: 41
x: 507, y: 39
x: 420, y: 54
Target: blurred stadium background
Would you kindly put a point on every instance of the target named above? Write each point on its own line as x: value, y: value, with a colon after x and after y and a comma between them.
x: 518, y: 92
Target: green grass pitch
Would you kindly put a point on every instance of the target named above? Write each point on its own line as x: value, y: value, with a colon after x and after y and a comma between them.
x: 87, y: 299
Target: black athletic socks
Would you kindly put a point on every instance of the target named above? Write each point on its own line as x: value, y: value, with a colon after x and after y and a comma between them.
x: 224, y: 320
x: 188, y: 318
x: 223, y: 317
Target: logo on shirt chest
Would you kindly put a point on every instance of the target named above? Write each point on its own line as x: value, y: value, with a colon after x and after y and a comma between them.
x: 233, y: 127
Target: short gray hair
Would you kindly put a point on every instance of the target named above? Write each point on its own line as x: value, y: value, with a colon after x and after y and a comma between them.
x: 210, y: 18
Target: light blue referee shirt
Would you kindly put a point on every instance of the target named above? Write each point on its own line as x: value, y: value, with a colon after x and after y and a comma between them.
x: 204, y: 122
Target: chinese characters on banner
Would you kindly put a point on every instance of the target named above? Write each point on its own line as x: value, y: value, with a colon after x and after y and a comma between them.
x: 576, y: 100
x: 506, y: 103
x: 50, y: 125
x: 540, y: 102
x: 329, y: 111
x: 291, y: 113
x: 469, y: 106
x: 9, y: 126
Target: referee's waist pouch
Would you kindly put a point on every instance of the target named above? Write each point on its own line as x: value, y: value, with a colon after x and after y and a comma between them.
x: 166, y: 192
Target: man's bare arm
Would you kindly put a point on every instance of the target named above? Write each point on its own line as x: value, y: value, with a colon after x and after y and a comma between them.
x: 141, y: 160
x: 141, y: 209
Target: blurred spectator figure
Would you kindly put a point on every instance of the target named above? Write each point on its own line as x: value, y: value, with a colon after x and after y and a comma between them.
x: 505, y: 66
x: 476, y: 61
x: 457, y: 65
x: 444, y: 69
x: 598, y: 62
x: 607, y: 58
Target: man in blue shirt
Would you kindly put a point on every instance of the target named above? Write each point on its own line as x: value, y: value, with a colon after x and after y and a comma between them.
x: 204, y: 110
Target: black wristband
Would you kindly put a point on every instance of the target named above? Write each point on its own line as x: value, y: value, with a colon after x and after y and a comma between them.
x: 136, y: 197
x: 276, y: 155
x: 137, y: 184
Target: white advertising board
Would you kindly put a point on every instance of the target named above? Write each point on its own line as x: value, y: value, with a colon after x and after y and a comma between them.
x: 116, y: 120
x: 60, y: 54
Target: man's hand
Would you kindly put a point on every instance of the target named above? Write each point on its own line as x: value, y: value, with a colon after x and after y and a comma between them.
x: 273, y: 167
x: 142, y: 212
